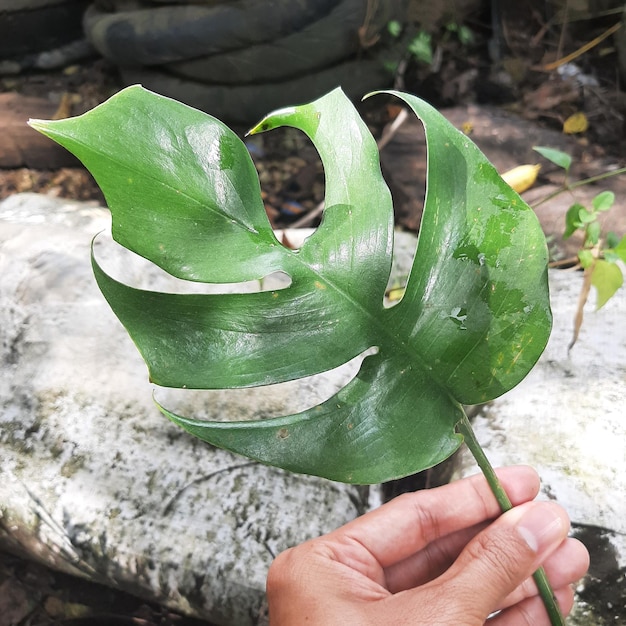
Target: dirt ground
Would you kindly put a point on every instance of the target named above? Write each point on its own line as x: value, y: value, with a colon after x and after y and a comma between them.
x: 293, y: 185
x: 462, y: 73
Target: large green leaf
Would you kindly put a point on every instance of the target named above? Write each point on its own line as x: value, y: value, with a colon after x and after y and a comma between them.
x: 474, y: 318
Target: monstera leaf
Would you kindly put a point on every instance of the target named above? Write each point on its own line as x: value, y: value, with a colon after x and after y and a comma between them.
x: 474, y: 318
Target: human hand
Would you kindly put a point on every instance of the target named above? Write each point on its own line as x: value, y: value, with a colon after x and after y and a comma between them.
x: 436, y: 558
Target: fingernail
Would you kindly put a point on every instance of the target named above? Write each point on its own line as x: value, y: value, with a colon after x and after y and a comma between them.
x: 542, y: 526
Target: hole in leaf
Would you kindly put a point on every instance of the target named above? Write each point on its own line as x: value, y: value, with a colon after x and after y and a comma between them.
x: 136, y: 271
x: 403, y: 162
x: 291, y: 176
x: 254, y: 403
x: 404, y: 248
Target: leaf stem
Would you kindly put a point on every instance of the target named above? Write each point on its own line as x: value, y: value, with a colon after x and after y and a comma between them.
x: 543, y: 584
x: 569, y: 186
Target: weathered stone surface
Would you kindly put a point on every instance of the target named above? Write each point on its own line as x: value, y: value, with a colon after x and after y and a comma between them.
x: 93, y: 479
x: 566, y: 419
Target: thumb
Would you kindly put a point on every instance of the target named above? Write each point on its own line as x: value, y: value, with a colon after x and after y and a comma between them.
x: 505, y: 554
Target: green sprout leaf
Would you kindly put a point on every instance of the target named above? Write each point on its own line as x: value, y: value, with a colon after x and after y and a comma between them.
x: 586, y: 258
x: 620, y: 249
x: 603, y: 201
x: 593, y: 233
x: 610, y: 255
x: 572, y: 220
x: 394, y: 28
x: 473, y: 320
x: 612, y: 239
x: 585, y: 216
x: 607, y: 278
x: 559, y: 158
x: 466, y: 35
x: 421, y: 47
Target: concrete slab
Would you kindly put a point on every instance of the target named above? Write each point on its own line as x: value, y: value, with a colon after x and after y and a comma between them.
x: 94, y: 481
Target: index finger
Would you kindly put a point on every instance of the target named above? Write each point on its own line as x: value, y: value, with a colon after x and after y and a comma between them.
x: 404, y: 526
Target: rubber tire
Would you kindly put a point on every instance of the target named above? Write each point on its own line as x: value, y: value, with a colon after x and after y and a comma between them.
x: 247, y: 104
x: 32, y: 31
x: 154, y: 36
x: 13, y: 6
x: 204, y: 2
x: 325, y: 42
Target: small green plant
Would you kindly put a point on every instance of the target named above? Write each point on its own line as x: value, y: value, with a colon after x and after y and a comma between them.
x: 463, y: 33
x: 394, y: 27
x: 599, y: 255
x: 421, y: 48
x: 419, y: 43
x: 473, y: 319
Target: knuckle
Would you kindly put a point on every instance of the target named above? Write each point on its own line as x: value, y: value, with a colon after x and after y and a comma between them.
x: 281, y: 572
x: 503, y: 551
x: 426, y: 523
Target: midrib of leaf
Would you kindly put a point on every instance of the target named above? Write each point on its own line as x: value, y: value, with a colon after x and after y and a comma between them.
x: 213, y: 209
x: 377, y: 319
x: 156, y: 179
